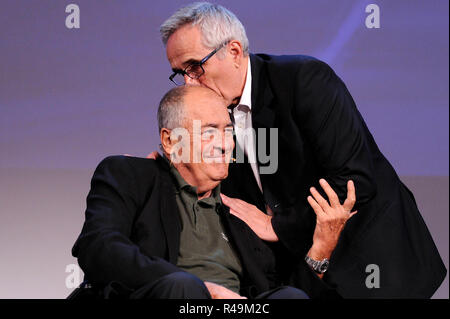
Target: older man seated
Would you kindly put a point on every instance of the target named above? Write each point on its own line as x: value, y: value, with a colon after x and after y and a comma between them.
x: 158, y: 228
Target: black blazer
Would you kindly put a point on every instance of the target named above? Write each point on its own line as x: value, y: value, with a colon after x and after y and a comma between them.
x: 131, y: 234
x: 321, y: 134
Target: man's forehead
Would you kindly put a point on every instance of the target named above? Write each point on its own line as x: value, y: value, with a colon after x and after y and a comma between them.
x: 203, y: 103
x: 184, y: 46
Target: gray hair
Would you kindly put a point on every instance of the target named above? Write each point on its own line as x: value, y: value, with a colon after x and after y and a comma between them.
x: 217, y: 24
x: 171, y: 112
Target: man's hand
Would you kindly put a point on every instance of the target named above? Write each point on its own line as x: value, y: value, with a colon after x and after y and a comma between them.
x: 153, y: 155
x: 219, y: 292
x: 331, y: 218
x: 259, y: 222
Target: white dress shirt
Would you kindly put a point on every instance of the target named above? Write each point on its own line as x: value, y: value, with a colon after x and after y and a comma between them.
x: 243, y: 125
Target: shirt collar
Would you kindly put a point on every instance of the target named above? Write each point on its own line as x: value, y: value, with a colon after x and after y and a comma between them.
x: 246, y: 98
x: 183, y: 186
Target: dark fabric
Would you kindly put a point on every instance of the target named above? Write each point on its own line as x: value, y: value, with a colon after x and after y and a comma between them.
x: 283, y: 292
x: 321, y: 134
x: 131, y: 234
x: 177, y: 285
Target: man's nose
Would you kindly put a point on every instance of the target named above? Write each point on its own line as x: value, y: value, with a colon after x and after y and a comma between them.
x: 228, y: 142
x: 190, y: 81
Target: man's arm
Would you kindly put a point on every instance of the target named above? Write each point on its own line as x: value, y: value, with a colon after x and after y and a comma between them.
x: 327, y: 117
x: 331, y: 217
x: 104, y: 249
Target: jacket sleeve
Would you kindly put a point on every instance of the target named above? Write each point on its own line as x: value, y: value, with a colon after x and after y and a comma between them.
x: 328, y: 119
x: 104, y: 249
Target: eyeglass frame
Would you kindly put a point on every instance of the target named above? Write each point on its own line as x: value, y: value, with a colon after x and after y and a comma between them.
x: 200, y: 64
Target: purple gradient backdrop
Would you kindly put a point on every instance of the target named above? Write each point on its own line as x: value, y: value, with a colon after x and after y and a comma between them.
x: 68, y: 98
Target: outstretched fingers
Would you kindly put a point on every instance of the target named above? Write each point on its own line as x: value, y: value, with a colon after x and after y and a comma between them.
x: 351, y: 196
x: 332, y: 196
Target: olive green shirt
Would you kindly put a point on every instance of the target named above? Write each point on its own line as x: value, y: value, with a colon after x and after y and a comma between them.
x: 204, y: 248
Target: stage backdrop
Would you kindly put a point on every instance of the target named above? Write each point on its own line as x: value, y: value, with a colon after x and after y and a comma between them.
x: 72, y: 94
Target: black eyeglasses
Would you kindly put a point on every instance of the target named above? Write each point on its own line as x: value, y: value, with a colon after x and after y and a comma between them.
x: 193, y: 70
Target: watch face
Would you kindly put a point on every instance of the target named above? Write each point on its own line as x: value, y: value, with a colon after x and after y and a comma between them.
x: 324, y: 266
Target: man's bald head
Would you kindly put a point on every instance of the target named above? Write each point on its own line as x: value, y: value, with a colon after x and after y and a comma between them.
x: 196, y: 135
x: 172, y: 111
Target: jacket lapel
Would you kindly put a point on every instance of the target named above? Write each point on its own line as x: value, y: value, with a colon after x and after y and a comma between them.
x: 170, y: 216
x: 256, y: 259
x: 263, y: 115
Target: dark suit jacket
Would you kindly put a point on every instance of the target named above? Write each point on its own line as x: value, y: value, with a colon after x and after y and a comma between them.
x: 131, y: 235
x: 321, y: 134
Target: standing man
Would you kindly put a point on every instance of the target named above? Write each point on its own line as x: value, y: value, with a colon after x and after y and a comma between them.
x: 319, y: 134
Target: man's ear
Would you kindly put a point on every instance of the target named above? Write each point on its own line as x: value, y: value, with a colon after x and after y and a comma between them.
x: 236, y: 52
x: 166, y: 141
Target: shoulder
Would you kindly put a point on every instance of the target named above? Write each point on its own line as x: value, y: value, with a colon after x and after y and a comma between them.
x: 128, y: 172
x: 130, y: 176
x: 284, y: 59
x: 121, y: 164
x: 293, y: 62
x: 291, y: 71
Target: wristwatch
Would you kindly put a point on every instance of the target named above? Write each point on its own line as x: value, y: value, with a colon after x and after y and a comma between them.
x: 319, y: 266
